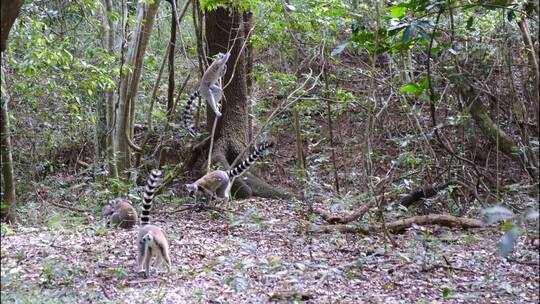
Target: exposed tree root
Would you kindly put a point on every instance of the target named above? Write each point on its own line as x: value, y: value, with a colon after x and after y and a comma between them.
x: 400, y: 225
x: 262, y: 189
x: 249, y: 184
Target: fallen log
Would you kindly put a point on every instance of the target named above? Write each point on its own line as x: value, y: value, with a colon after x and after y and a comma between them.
x: 335, y: 219
x: 400, y: 225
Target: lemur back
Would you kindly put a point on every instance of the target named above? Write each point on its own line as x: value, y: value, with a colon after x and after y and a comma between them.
x: 151, y: 240
x: 209, y: 89
x: 121, y: 213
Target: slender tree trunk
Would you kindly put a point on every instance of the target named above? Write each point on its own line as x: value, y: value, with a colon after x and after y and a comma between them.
x: 8, y: 207
x: 130, y: 82
x: 198, y: 26
x: 109, y: 94
x: 533, y: 66
x: 231, y: 131
x: 248, y: 24
x: 172, y: 41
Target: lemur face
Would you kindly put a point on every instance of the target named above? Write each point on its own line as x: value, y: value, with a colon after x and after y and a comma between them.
x: 191, y: 188
x: 221, y: 57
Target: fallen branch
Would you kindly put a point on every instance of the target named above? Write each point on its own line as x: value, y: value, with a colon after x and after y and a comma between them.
x: 435, y: 219
x: 528, y: 263
x: 146, y: 281
x: 291, y: 295
x: 334, y: 219
x: 433, y: 267
x: 69, y: 207
x: 400, y: 225
x: 58, y: 204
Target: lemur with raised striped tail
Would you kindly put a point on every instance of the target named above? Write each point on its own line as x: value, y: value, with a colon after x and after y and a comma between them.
x: 219, y: 182
x: 151, y: 241
x: 208, y: 89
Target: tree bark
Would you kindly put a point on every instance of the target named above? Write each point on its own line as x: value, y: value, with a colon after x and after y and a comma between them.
x: 231, y: 131
x: 8, y: 199
x: 9, y: 10
x: 109, y: 95
x: 172, y: 41
x: 130, y: 82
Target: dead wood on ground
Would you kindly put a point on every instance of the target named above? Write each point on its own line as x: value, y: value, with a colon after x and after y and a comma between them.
x: 400, y: 225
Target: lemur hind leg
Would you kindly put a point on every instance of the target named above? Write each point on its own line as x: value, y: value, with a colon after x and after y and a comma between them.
x: 217, y: 92
x: 212, y: 101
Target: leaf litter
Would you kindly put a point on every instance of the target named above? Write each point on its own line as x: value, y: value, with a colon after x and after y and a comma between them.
x: 260, y: 254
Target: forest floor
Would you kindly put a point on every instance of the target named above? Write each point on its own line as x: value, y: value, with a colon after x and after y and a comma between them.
x: 260, y: 253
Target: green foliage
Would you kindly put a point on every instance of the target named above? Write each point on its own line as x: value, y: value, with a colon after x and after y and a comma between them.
x: 237, y: 5
x: 300, y: 24
x: 446, y: 292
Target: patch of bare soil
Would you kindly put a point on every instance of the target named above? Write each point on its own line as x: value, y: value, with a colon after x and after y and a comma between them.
x: 261, y: 254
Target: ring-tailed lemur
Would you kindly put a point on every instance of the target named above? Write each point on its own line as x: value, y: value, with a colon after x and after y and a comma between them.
x: 151, y: 240
x: 219, y: 182
x: 121, y: 213
x: 209, y: 89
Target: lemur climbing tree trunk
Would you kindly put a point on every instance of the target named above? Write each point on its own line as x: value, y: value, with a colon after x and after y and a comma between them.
x: 227, y: 29
x: 9, y: 12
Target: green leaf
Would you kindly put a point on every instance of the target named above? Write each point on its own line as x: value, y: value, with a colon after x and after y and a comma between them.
x: 409, y: 88
x: 423, y: 83
x: 470, y: 23
x: 408, y: 34
x: 275, y: 260
x: 507, y: 226
x: 446, y: 292
x: 397, y: 11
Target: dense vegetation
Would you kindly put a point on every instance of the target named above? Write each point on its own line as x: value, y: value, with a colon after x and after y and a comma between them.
x: 406, y: 135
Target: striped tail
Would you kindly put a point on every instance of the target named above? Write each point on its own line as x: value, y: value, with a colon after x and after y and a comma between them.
x: 187, y: 115
x: 149, y: 190
x: 255, y: 155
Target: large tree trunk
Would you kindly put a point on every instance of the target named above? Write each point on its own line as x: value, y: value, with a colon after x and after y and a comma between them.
x: 231, y: 132
x: 130, y: 83
x: 9, y: 10
x: 7, y: 210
